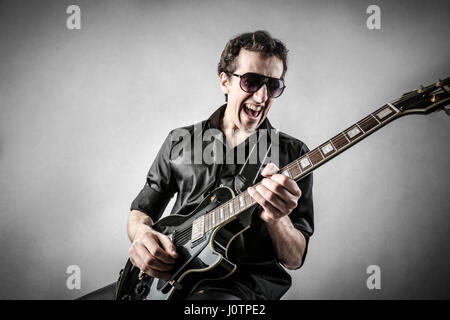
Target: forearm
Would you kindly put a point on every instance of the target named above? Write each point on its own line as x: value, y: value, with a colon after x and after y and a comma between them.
x: 289, y: 243
x: 136, y: 221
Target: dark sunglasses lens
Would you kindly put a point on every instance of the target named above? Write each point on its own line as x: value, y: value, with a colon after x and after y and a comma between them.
x: 275, y: 88
x: 251, y: 82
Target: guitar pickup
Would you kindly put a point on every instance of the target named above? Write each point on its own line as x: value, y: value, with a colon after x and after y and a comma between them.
x: 198, y: 228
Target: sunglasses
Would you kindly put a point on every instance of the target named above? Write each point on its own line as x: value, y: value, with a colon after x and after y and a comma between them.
x: 251, y: 82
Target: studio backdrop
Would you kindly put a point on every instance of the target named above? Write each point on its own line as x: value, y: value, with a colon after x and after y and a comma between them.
x: 90, y: 89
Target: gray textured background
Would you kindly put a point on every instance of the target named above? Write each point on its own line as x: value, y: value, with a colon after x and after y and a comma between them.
x: 84, y: 112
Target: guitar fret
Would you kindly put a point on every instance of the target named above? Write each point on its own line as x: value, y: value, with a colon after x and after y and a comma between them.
x: 226, y: 212
x: 295, y: 169
x: 209, y: 219
x: 211, y: 215
x: 305, y: 163
x: 321, y: 153
x: 286, y: 171
x: 252, y: 201
x: 237, y: 206
x: 221, y: 214
x: 384, y: 113
x: 359, y: 127
x: 248, y: 199
x: 340, y: 141
x: 334, y: 146
x: 207, y: 225
x: 345, y: 137
x: 367, y: 123
x: 315, y: 156
x: 241, y: 201
x: 231, y: 209
x: 378, y: 121
x: 353, y: 132
x: 327, y: 148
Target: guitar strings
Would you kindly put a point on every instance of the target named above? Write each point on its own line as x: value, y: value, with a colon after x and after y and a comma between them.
x: 182, y: 234
x: 339, y: 138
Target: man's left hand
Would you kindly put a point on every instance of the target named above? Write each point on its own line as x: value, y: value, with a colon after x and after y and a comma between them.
x: 277, y: 194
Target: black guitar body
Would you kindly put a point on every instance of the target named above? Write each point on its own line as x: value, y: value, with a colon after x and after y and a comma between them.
x: 198, y: 260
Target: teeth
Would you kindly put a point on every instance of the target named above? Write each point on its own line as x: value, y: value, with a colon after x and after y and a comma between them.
x: 255, y: 108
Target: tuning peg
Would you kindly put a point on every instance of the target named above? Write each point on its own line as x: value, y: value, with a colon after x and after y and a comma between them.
x: 439, y: 83
x: 434, y: 98
x: 420, y: 89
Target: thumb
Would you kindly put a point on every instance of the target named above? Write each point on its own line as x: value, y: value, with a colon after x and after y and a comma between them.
x: 270, y: 170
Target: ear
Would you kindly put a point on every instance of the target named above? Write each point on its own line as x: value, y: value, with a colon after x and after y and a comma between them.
x: 224, y: 82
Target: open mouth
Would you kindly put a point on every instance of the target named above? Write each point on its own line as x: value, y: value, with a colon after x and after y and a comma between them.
x: 252, y: 111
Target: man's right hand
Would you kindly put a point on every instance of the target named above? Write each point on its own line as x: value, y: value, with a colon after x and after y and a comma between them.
x: 152, y: 252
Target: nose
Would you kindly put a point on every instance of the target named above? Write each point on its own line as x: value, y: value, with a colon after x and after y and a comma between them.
x: 261, y: 95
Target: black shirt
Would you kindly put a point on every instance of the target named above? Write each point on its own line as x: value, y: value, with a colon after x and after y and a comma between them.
x: 179, y: 168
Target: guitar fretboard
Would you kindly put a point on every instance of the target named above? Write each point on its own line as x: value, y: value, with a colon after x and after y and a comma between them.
x: 299, y: 168
x: 318, y: 156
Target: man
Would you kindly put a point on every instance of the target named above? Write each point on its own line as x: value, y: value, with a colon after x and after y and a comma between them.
x: 251, y: 72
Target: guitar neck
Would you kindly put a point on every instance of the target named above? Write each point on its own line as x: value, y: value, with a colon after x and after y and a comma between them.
x: 303, y: 166
x: 310, y: 161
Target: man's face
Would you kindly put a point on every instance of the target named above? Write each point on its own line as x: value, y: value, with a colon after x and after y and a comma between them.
x: 239, y: 101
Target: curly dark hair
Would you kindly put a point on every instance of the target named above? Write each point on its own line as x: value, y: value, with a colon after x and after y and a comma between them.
x: 260, y: 41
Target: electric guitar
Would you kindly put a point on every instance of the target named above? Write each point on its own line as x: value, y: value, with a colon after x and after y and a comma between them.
x: 202, y: 237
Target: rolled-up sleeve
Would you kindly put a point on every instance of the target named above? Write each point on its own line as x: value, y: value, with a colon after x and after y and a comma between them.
x: 159, y: 186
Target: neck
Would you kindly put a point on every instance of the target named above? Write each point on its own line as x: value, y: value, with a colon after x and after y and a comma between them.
x: 232, y: 132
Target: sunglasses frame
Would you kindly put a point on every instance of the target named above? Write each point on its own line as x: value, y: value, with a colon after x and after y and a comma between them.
x: 265, y: 82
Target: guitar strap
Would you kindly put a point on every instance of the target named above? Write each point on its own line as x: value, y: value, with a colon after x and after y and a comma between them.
x: 256, y: 161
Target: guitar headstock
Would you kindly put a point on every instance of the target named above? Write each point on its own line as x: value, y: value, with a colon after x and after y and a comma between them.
x: 426, y: 99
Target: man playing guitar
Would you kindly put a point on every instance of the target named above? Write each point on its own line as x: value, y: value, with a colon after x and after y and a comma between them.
x: 215, y: 245
x: 251, y: 72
